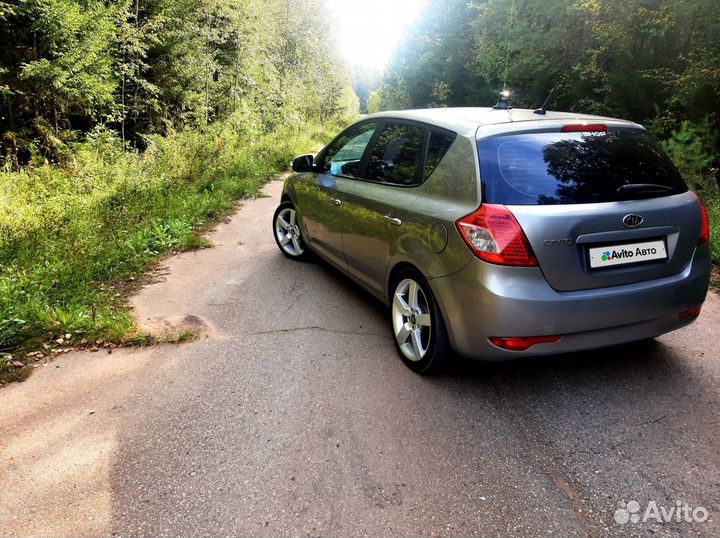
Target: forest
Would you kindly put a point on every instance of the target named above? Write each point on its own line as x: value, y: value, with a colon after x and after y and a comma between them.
x: 653, y: 61
x: 656, y: 62
x: 127, y: 127
x: 70, y: 68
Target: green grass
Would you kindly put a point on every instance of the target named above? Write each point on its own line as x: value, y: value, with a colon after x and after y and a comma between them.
x: 71, y: 237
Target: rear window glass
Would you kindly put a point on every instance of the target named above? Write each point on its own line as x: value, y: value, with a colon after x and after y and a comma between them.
x: 575, y: 168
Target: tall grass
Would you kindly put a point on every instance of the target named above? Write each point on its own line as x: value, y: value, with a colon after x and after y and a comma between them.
x: 69, y: 235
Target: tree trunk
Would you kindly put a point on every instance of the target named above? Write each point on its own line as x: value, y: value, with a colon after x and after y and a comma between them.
x: 36, y: 108
x: 11, y: 116
x: 137, y: 74
x: 207, y: 70
x: 122, y: 104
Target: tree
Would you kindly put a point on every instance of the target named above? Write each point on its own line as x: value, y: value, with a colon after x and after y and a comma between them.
x: 149, y: 66
x: 58, y: 70
x: 653, y: 61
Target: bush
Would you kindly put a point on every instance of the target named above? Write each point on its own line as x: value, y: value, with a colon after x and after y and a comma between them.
x: 69, y: 235
x: 691, y: 147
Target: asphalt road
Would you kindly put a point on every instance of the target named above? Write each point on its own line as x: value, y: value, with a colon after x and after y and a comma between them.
x: 294, y: 416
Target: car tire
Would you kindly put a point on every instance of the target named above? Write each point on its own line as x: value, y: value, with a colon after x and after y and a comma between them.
x: 287, y: 233
x: 418, y: 326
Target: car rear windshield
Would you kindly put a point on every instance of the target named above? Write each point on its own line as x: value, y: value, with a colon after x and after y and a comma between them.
x: 575, y: 168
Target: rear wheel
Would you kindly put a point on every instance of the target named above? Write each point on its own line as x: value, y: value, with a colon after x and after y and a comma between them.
x: 418, y: 326
x: 287, y: 232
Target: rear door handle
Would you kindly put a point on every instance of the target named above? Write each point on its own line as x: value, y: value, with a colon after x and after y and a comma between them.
x: 336, y: 201
x: 396, y: 221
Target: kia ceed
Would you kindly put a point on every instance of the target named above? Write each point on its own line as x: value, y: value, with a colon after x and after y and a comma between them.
x: 499, y: 233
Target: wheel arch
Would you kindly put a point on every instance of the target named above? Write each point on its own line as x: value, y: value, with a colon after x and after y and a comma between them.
x: 402, y: 265
x: 392, y: 276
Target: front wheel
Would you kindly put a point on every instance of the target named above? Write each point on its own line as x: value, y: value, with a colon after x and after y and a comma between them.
x: 287, y: 232
x: 420, y: 335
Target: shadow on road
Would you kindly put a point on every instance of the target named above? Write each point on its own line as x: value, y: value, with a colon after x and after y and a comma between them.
x: 637, y: 361
x: 304, y: 419
x: 634, y: 421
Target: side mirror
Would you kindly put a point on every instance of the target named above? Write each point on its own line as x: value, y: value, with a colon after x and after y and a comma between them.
x: 304, y: 163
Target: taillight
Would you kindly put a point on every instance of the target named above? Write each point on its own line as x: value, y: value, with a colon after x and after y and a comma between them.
x: 589, y: 128
x: 692, y: 313
x: 494, y: 236
x: 704, y: 223
x: 521, y: 343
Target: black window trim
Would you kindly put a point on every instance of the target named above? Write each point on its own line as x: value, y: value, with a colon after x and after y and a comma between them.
x: 382, y: 122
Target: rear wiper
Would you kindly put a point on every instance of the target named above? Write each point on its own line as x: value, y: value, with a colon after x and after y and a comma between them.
x: 643, y: 189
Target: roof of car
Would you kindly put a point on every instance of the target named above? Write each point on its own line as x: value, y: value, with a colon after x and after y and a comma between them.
x: 470, y: 118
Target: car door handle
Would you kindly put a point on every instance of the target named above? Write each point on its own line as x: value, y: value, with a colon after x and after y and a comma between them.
x: 336, y: 201
x: 396, y: 221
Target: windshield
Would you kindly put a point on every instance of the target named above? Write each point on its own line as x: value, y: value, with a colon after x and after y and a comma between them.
x: 575, y: 168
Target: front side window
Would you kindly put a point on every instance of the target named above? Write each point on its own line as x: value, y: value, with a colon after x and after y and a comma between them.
x: 396, y: 156
x: 343, y: 156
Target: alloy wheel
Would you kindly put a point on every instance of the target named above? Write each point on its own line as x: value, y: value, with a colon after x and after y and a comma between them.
x: 412, y: 323
x: 288, y: 232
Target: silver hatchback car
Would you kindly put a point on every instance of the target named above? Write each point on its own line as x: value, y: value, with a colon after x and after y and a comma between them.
x: 500, y: 233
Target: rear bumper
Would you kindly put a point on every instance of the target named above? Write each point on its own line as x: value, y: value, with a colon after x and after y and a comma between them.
x: 484, y: 300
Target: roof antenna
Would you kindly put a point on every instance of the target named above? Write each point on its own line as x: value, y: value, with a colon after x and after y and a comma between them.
x: 504, y: 97
x: 542, y: 110
x: 503, y: 101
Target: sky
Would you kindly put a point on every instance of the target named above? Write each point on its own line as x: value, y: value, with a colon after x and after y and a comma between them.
x: 368, y: 31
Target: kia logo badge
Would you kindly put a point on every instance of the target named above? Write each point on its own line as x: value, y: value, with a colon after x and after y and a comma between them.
x: 632, y: 221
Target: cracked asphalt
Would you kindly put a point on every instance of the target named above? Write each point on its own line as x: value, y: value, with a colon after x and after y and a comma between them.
x: 292, y: 416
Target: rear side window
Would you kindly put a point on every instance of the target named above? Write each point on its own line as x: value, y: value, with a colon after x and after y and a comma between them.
x: 397, y: 155
x: 438, y: 146
x: 575, y: 168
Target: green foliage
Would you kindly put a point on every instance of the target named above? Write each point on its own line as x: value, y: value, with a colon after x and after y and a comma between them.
x: 441, y: 93
x: 67, y: 235
x: 60, y: 65
x: 374, y: 102
x: 656, y: 62
x: 126, y: 126
x: 711, y: 197
x: 691, y: 146
x: 639, y: 59
x: 365, y: 80
x: 145, y: 67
